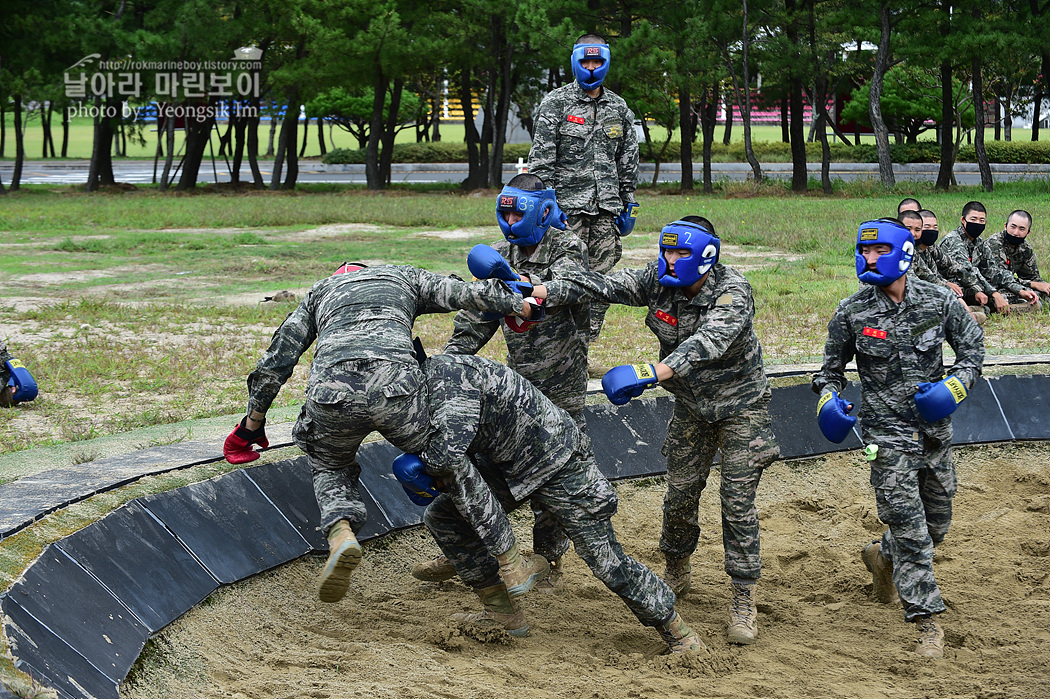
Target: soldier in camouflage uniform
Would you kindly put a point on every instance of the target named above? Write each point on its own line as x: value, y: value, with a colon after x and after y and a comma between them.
x: 363, y: 378
x: 711, y: 360
x: 6, y: 392
x: 498, y: 442
x: 552, y: 354
x: 1014, y: 253
x: 965, y: 247
x: 585, y: 147
x: 895, y: 329
x: 925, y: 267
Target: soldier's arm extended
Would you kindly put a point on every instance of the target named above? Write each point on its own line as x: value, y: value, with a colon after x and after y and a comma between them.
x: 290, y: 340
x: 544, y: 152
x: 470, y: 332
x: 627, y: 160
x: 733, y: 310
x: 629, y: 287
x: 440, y: 294
x: 967, y: 340
x: 838, y: 351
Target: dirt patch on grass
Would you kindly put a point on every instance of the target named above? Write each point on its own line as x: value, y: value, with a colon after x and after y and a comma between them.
x: 822, y: 634
x: 739, y: 257
x: 456, y: 233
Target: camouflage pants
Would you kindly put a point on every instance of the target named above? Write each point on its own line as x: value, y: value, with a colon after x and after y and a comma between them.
x: 914, y: 493
x: 748, y: 445
x: 377, y: 396
x: 583, y: 502
x: 548, y: 537
x: 601, y: 241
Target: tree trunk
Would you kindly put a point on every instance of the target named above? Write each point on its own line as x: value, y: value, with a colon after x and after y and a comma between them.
x: 1037, y: 113
x: 169, y: 158
x: 820, y: 103
x: 799, y: 176
x: 708, y: 115
x: 320, y: 137
x: 198, y: 135
x: 946, y: 170
x: 273, y: 135
x: 253, y: 145
x: 3, y: 125
x: 45, y: 119
x: 998, y: 123
x: 474, y: 172
x: 978, y: 134
x: 65, y: 133
x: 506, y: 87
x: 727, y: 132
x: 685, y: 118
x: 785, y: 110
x: 291, y: 118
x: 373, y: 179
x: 486, y: 127
x: 749, y: 150
x: 20, y: 151
x: 1008, y: 120
x: 390, y: 131
x: 306, y: 135
x: 878, y: 124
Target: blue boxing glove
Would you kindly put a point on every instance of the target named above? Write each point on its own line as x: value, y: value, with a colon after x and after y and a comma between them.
x: 833, y: 418
x: 937, y: 401
x: 485, y: 263
x: 625, y: 219
x: 418, y: 485
x: 22, y: 381
x: 622, y: 383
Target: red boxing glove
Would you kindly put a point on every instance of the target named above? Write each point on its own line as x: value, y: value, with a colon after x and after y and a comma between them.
x: 520, y: 325
x: 237, y: 448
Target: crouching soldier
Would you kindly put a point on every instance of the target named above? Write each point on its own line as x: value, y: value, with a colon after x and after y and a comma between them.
x: 496, y: 443
x: 896, y: 328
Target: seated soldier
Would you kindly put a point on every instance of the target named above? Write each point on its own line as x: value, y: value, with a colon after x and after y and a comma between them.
x: 908, y: 204
x: 965, y: 246
x: 921, y: 267
x: 496, y: 443
x: 1012, y: 250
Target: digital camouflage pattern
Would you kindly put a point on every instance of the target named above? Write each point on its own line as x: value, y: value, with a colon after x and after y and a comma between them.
x: 586, y: 149
x: 363, y: 376
x: 5, y: 356
x: 896, y: 348
x: 601, y: 242
x: 1018, y: 260
x: 552, y: 354
x: 990, y: 276
x: 936, y: 260
x: 721, y: 398
x: 499, y: 442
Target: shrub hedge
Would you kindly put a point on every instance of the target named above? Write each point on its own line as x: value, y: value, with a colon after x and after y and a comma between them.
x: 765, y: 151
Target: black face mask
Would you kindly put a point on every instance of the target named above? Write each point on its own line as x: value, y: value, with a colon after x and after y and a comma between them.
x: 973, y: 230
x: 1012, y: 240
x: 928, y: 237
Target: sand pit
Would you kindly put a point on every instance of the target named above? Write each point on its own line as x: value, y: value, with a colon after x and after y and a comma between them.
x: 821, y: 633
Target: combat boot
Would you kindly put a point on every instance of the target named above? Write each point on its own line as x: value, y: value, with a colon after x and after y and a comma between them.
x: 881, y: 573
x: 435, y: 570
x: 980, y: 317
x: 743, y: 615
x: 553, y: 581
x: 499, y: 609
x: 931, y: 638
x: 1023, y: 308
x: 680, y: 638
x: 521, y: 573
x: 678, y: 575
x: 344, y: 553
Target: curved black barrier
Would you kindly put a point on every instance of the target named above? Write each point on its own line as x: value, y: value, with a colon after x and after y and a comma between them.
x: 80, y: 615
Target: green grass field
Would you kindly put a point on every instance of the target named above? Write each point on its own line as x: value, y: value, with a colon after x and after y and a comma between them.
x: 142, y: 141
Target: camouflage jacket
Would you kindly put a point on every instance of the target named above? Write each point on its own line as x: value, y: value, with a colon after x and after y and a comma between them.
x: 947, y: 269
x: 363, y: 315
x: 919, y: 268
x: 481, y: 409
x: 897, y: 347
x: 586, y: 149
x: 1018, y: 260
x: 5, y: 375
x: 709, y: 341
x: 990, y: 276
x: 552, y: 354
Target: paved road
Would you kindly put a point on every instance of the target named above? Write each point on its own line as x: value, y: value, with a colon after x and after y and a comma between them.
x: 141, y: 172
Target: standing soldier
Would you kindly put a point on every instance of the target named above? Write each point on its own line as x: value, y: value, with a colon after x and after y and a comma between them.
x: 551, y: 354
x: 586, y: 149
x: 364, y: 377
x: 710, y: 359
x: 1010, y: 247
x: 496, y: 443
x: 895, y: 328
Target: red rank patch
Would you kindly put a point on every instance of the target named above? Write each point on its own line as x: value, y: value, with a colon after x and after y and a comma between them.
x: 574, y: 119
x: 877, y: 334
x: 667, y: 318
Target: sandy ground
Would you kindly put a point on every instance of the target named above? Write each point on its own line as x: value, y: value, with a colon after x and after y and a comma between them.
x: 822, y: 634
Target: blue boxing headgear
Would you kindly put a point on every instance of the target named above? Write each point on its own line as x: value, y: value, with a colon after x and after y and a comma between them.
x: 703, y: 253
x: 590, y: 79
x: 891, y: 266
x: 539, y: 211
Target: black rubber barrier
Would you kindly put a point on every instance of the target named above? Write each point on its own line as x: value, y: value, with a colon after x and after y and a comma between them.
x: 79, y: 616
